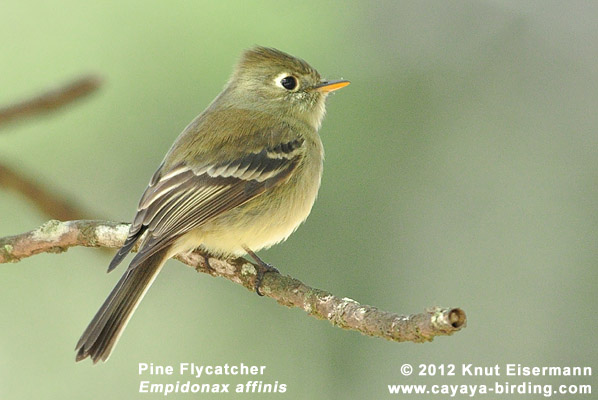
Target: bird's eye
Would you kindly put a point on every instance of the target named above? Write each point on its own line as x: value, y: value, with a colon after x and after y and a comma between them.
x: 289, y: 82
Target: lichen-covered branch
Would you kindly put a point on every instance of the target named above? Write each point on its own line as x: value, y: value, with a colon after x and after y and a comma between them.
x: 55, y: 236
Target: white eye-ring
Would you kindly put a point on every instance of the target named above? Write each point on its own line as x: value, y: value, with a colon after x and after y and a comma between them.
x: 287, y: 81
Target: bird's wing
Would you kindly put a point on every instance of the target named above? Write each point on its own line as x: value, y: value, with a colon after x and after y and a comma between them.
x: 183, y: 198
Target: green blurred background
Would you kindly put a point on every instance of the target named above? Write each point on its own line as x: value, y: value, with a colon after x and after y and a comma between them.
x: 461, y: 170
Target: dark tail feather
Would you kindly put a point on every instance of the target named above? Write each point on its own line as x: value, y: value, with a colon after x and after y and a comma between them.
x: 105, y: 329
x: 127, y: 246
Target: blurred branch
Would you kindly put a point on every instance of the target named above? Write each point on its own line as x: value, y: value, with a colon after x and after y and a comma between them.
x: 48, y: 202
x: 50, y: 100
x: 56, y: 237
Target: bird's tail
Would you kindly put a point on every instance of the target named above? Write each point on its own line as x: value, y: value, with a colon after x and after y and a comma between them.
x: 105, y: 328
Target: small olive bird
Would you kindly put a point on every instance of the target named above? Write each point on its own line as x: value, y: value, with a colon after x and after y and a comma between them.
x: 241, y: 177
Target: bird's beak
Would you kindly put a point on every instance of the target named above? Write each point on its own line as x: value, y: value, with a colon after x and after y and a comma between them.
x: 329, y: 86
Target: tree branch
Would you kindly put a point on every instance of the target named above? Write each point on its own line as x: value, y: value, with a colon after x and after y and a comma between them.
x: 55, y: 237
x: 47, y: 201
x: 50, y: 100
x: 51, y: 204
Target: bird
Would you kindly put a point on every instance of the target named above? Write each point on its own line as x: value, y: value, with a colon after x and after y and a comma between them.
x: 241, y: 177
